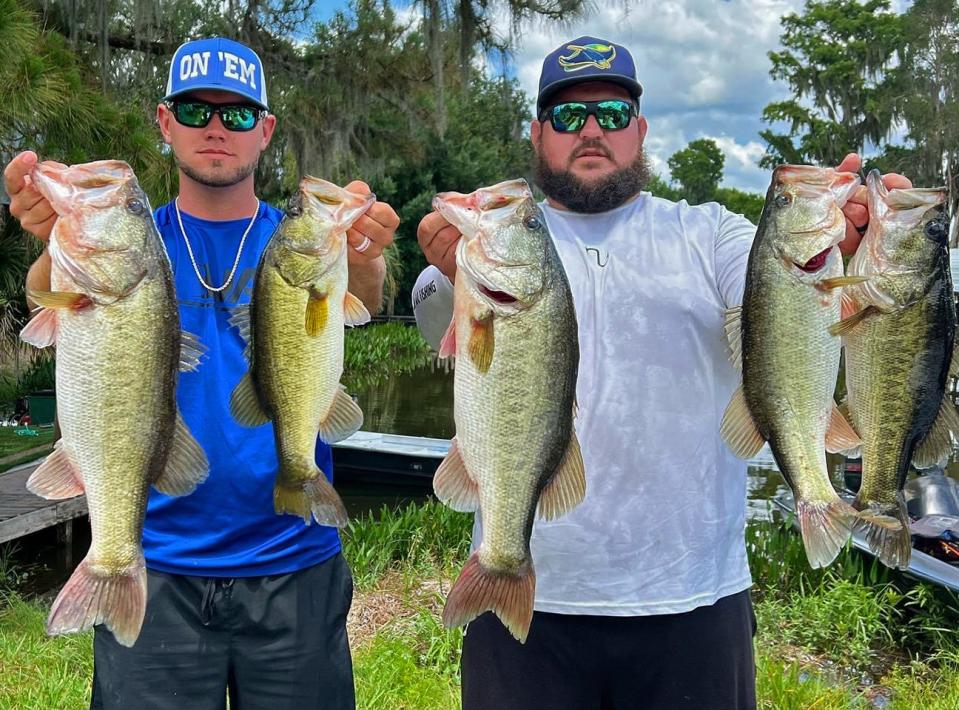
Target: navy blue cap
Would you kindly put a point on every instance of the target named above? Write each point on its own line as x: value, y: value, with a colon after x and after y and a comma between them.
x: 217, y: 63
x: 586, y: 59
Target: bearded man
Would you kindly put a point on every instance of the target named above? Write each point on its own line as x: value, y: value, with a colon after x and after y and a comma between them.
x: 642, y: 590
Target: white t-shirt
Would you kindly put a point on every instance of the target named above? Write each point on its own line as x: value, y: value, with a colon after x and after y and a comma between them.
x: 661, y: 529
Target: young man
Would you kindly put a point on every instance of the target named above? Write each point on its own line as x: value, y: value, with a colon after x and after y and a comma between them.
x: 242, y: 601
x: 642, y: 591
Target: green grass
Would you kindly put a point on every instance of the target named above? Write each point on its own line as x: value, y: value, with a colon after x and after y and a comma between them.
x: 11, y: 443
x: 39, y: 672
x: 378, y: 351
x: 788, y: 686
x: 390, y: 675
x: 417, y: 539
x: 827, y: 640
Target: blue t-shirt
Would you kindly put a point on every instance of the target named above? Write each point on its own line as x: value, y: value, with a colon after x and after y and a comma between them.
x: 227, y: 527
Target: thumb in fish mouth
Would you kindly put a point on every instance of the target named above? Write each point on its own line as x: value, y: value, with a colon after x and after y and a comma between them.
x: 92, y: 184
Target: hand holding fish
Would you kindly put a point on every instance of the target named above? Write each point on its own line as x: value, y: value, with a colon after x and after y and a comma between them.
x: 856, y: 210
x: 34, y: 211
x: 438, y: 239
x: 372, y: 233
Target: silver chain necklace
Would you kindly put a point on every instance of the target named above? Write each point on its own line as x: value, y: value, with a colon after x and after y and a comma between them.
x: 236, y: 261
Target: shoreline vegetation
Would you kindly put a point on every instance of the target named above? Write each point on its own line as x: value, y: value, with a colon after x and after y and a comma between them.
x: 852, y: 636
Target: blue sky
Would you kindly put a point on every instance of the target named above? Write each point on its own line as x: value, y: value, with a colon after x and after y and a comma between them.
x: 703, y: 64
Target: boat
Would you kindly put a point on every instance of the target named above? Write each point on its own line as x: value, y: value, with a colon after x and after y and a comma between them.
x: 921, y: 565
x: 388, y: 459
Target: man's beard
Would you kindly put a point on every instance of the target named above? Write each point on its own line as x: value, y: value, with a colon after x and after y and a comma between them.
x: 238, y: 175
x: 602, y: 195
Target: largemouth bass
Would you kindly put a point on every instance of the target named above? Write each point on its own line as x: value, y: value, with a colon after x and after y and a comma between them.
x: 514, y: 335
x: 295, y: 329
x: 789, y: 359
x: 113, y: 317
x: 899, y: 332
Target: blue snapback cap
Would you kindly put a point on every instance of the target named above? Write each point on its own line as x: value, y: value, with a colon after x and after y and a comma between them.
x: 217, y: 63
x: 586, y: 59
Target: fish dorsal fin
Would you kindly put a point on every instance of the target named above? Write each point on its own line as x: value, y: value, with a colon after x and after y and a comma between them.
x: 241, y: 318
x: 452, y: 483
x: 343, y: 420
x: 567, y: 488
x: 42, y: 330
x: 354, y: 311
x: 191, y: 352
x: 448, y: 343
x: 245, y: 405
x: 840, y: 436
x: 317, y: 313
x: 938, y: 446
x: 58, y: 477
x: 738, y: 428
x: 480, y: 346
x: 734, y: 335
x: 186, y: 465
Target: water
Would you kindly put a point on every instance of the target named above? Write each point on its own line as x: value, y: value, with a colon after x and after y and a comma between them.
x: 421, y: 404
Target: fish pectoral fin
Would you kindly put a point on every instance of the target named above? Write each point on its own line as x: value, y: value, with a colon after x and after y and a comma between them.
x: 118, y: 601
x: 937, y: 447
x: 846, y: 325
x: 42, y: 330
x: 567, y: 488
x: 354, y: 311
x: 186, y: 464
x: 317, y: 313
x: 245, y: 404
x: 840, y: 436
x: 60, y: 299
x: 241, y: 318
x: 343, y: 420
x: 480, y: 346
x: 58, y: 477
x: 448, y: 343
x: 738, y: 428
x: 509, y: 596
x: 191, y: 351
x: 734, y: 335
x: 452, y: 483
x: 840, y: 281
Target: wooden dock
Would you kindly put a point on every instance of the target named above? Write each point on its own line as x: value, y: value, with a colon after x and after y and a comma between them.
x: 22, y: 513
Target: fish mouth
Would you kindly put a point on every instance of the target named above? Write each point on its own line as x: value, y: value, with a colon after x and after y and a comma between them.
x: 816, y: 263
x: 499, y: 296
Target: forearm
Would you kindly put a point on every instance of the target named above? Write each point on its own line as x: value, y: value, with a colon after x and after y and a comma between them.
x: 38, y: 277
x: 366, y: 283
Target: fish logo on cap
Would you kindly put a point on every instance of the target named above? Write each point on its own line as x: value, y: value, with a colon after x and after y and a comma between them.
x: 600, y: 56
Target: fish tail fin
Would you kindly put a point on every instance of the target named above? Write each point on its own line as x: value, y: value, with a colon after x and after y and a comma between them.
x: 509, y: 596
x: 311, y: 499
x: 887, y: 533
x: 826, y: 527
x: 119, y: 601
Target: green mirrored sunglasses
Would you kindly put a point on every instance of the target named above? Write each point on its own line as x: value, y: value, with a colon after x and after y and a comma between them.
x: 570, y: 116
x: 234, y: 117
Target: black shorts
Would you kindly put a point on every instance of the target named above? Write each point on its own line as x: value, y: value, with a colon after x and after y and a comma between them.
x: 698, y: 660
x: 270, y: 643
